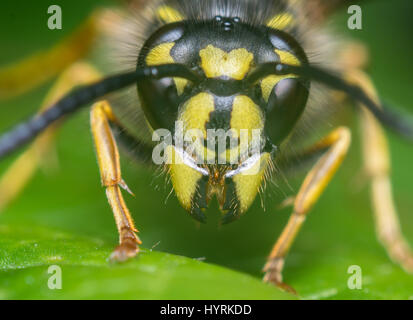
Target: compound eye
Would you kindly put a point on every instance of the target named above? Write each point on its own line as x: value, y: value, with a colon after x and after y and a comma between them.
x: 285, y: 106
x: 160, y: 98
x: 166, y: 34
x: 282, y: 41
x: 160, y: 102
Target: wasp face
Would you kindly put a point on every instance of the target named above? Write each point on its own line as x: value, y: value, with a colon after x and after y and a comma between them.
x: 223, y: 52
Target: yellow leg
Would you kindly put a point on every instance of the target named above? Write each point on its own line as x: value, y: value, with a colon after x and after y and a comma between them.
x: 108, y: 160
x: 23, y: 169
x: 35, y: 70
x: 313, y: 186
x: 377, y: 164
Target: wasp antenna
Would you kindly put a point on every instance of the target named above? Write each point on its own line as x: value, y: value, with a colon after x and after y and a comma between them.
x: 387, y: 117
x: 28, y: 130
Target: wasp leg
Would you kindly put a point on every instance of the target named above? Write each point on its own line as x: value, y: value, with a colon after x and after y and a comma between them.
x: 22, y: 170
x: 377, y: 165
x: 31, y: 72
x: 132, y: 146
x: 109, y: 164
x: 337, y: 144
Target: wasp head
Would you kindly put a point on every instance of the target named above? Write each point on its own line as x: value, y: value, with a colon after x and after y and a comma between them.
x: 224, y: 129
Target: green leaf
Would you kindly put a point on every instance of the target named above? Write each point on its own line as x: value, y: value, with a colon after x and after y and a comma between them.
x: 26, y: 253
x: 338, y: 233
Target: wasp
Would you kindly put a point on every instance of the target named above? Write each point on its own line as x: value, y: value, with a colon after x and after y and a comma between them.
x: 241, y: 66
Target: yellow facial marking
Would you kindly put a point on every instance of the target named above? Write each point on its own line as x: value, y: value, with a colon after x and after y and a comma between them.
x: 162, y: 55
x: 287, y: 57
x: 196, y: 112
x: 268, y: 83
x: 195, y: 115
x: 281, y: 21
x: 245, y: 115
x: 248, y: 184
x: 217, y: 63
x: 184, y: 178
x: 168, y: 14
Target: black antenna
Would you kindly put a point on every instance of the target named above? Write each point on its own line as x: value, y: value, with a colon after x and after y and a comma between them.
x: 28, y: 130
x: 388, y: 118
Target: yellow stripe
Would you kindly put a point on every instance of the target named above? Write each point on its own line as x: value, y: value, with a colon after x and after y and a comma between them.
x: 268, y: 83
x: 184, y: 178
x: 196, y: 112
x: 161, y: 54
x: 217, y: 63
x: 248, y: 183
x: 245, y: 115
x: 287, y: 57
x: 195, y: 115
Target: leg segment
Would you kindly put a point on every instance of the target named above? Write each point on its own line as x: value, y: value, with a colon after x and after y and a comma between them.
x: 377, y: 164
x: 314, y: 184
x: 33, y: 71
x: 108, y: 160
x: 23, y: 169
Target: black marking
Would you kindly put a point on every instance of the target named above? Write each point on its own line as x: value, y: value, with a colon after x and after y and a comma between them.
x: 80, y: 97
x: 220, y: 118
x: 199, y: 201
x: 131, y: 145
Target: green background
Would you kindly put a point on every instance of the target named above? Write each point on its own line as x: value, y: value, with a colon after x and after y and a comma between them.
x: 63, y: 217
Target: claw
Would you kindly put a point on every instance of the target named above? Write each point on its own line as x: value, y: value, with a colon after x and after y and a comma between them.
x: 283, y: 286
x: 229, y: 217
x: 273, y: 275
x: 125, y: 187
x: 125, y: 251
x: 198, y: 214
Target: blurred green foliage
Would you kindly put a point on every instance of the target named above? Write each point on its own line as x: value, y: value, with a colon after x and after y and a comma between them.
x: 65, y: 209
x: 28, y: 252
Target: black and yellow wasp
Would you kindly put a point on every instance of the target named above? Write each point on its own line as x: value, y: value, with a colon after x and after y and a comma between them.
x: 232, y: 65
